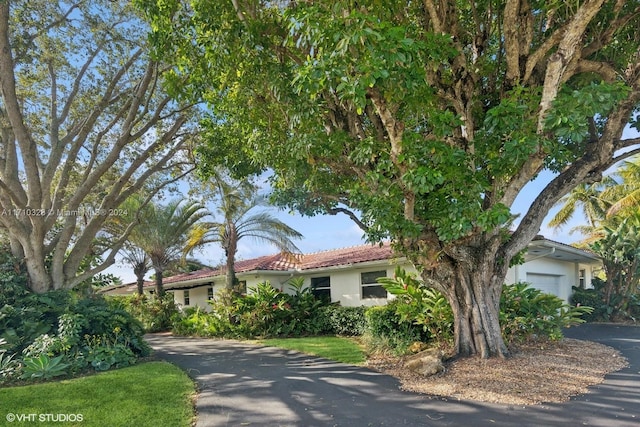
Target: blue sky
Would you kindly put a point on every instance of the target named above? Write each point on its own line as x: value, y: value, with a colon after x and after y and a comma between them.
x: 331, y: 232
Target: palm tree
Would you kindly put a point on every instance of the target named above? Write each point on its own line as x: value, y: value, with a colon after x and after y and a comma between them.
x: 627, y: 193
x: 139, y: 261
x: 236, y: 200
x: 159, y: 238
x: 165, y: 232
x: 591, y: 198
x: 132, y: 210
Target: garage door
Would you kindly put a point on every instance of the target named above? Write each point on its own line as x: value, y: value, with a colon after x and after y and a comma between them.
x: 547, y: 283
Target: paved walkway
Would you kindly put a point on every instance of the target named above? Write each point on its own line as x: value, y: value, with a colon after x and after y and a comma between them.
x: 247, y: 385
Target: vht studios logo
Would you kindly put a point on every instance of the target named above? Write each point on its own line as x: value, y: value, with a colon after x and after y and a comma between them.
x: 52, y: 418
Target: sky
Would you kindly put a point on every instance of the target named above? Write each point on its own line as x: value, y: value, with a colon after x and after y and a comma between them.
x: 338, y: 231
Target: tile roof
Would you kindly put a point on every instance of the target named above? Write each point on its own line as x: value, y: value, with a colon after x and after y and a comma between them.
x: 346, y: 256
x: 281, y: 262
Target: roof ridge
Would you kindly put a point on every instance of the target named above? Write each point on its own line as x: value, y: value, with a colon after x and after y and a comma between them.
x: 347, y: 247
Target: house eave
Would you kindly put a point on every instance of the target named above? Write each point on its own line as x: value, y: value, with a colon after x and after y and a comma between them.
x: 564, y: 252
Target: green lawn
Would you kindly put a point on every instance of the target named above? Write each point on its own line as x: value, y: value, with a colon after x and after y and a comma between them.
x: 340, y: 349
x: 148, y: 394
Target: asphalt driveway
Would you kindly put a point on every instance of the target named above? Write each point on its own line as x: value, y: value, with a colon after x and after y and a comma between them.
x: 248, y: 385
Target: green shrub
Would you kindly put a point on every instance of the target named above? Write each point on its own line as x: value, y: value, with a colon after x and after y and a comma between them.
x: 46, y: 335
x: 526, y: 312
x: 339, y: 320
x: 420, y: 305
x: 386, y: 328
x: 154, y: 313
x: 619, y: 308
x: 591, y: 298
x: 195, y: 322
x: 263, y: 312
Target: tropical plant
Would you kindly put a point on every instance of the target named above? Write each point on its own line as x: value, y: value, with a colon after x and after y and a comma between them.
x: 613, y: 235
x: 423, y: 121
x: 154, y: 313
x: 528, y: 313
x: 44, y: 367
x: 237, y: 201
x: 420, y: 305
x: 588, y: 196
x: 619, y: 247
x: 163, y: 233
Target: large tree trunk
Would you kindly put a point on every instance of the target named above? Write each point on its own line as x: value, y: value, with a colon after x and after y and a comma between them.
x: 471, y: 278
x: 476, y: 310
x: 39, y: 278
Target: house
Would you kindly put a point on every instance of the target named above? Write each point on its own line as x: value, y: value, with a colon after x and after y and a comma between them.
x: 348, y: 275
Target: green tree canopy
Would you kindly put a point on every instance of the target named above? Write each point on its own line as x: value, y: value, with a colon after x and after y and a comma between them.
x: 423, y: 120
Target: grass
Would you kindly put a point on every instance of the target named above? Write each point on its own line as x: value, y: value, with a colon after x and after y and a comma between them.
x: 340, y: 349
x: 148, y: 394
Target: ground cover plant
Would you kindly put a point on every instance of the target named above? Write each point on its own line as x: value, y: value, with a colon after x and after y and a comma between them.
x: 146, y: 395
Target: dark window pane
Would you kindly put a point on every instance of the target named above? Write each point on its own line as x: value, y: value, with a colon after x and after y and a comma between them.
x: 320, y: 282
x: 371, y: 277
x: 374, y: 292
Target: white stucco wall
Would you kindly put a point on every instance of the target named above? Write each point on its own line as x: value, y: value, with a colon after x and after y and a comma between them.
x: 544, y: 273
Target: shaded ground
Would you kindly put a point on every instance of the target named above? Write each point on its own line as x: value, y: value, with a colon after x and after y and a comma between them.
x: 246, y: 385
x: 536, y: 373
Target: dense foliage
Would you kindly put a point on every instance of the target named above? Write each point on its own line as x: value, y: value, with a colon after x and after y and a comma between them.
x: 420, y: 314
x: 60, y: 332
x: 422, y: 121
x: 604, y: 311
x: 263, y: 312
x: 154, y: 313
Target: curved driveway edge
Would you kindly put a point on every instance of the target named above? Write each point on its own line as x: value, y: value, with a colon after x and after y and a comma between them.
x: 247, y: 385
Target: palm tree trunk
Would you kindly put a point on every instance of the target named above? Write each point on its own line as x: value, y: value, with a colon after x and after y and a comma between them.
x: 231, y: 272
x: 140, y: 284
x: 159, y: 287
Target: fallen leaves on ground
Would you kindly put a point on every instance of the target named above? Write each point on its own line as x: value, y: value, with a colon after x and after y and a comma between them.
x: 535, y: 373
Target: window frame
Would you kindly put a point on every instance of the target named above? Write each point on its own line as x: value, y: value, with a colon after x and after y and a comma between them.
x: 324, y: 291
x: 372, y: 285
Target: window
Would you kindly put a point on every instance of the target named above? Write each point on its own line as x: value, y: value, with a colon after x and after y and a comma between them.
x: 321, y: 288
x: 370, y: 286
x: 582, y: 278
x: 186, y: 297
x: 210, y: 293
